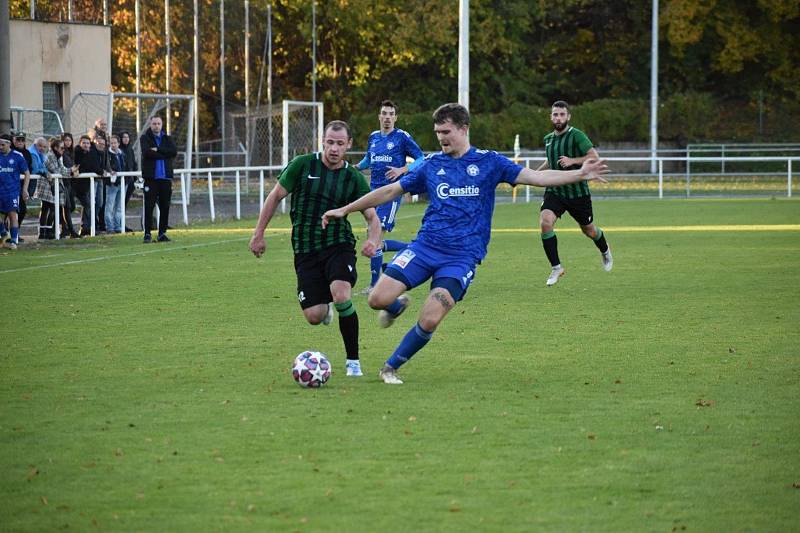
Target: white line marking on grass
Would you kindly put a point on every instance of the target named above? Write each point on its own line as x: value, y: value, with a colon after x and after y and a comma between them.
x: 637, y: 229
x: 134, y: 254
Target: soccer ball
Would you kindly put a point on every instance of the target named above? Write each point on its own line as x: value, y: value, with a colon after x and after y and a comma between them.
x: 311, y: 369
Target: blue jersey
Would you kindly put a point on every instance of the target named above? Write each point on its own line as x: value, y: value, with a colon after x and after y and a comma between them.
x: 11, y: 166
x: 461, y: 192
x: 389, y: 150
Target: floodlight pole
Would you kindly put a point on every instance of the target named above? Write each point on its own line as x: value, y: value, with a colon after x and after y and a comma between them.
x: 463, y: 53
x: 196, y: 102
x: 5, y: 68
x: 137, y: 16
x: 247, y: 87
x: 222, y: 74
x: 313, y: 61
x: 654, y: 88
x: 167, y: 59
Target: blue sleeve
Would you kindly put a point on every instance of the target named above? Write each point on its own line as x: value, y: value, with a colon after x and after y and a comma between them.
x: 364, y: 163
x: 415, y: 182
x: 506, y: 170
x: 416, y: 163
x: 23, y: 165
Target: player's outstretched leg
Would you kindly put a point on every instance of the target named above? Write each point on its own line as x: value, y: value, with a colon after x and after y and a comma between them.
x: 387, y: 316
x: 414, y: 341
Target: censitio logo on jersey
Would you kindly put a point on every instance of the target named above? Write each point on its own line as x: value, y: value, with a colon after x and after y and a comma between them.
x: 473, y: 170
x: 380, y: 158
x: 444, y: 191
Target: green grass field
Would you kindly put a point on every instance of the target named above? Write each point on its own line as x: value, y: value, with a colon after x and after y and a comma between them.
x: 147, y: 388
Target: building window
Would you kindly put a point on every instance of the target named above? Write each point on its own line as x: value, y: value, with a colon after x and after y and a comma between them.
x: 52, y: 100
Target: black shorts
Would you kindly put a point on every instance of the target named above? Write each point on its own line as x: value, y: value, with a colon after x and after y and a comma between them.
x: 579, y: 208
x: 316, y: 270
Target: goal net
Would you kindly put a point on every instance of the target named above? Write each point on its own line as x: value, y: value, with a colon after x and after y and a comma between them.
x: 120, y: 112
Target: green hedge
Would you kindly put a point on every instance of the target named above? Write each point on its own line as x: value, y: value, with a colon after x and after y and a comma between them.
x: 683, y: 118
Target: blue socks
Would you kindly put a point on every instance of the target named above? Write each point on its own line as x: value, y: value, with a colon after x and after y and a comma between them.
x: 375, y: 269
x: 392, y: 246
x: 414, y: 341
x: 15, y: 235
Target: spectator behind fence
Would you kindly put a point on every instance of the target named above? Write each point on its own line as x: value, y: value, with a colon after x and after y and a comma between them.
x: 101, y: 147
x: 68, y: 159
x: 87, y: 161
x: 158, y: 155
x: 38, y: 151
x: 130, y: 166
x: 100, y: 130
x: 45, y: 188
x: 114, y: 187
x: 19, y: 146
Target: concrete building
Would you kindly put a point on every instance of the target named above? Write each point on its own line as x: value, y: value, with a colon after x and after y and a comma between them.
x: 51, y: 62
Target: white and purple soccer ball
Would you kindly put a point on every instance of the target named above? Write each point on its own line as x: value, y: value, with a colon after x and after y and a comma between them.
x: 311, y: 369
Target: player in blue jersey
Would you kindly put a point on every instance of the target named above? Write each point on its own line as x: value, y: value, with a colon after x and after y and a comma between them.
x: 460, y: 182
x: 387, y: 150
x: 12, y: 165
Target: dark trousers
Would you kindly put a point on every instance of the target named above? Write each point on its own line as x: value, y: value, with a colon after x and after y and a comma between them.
x: 81, y: 192
x: 157, y: 191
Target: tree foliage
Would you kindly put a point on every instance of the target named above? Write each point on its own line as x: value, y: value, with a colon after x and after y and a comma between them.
x: 526, y: 52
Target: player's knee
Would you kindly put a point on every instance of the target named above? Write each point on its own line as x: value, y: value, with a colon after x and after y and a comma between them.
x: 590, y: 231
x: 378, y: 300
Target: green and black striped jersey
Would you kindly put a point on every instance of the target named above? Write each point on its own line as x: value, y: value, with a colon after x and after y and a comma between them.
x: 572, y: 143
x: 315, y: 189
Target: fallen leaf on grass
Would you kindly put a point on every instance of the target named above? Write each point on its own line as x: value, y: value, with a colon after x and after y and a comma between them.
x: 704, y: 403
x: 32, y: 473
x: 44, y: 500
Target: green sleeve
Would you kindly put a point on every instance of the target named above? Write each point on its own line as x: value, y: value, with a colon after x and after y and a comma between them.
x: 290, y: 176
x: 584, y: 144
x: 362, y: 187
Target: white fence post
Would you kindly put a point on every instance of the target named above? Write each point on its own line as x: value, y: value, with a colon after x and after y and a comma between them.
x: 660, y: 178
x: 211, y: 197
x: 91, y: 201
x: 57, y: 220
x: 260, y: 188
x: 238, y: 197
x: 789, y: 180
x: 184, y: 199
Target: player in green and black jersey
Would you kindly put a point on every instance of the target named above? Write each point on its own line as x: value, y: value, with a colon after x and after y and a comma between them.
x: 324, y: 259
x: 567, y: 148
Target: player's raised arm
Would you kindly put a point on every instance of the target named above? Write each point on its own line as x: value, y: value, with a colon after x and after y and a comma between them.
x: 372, y: 199
x: 592, y: 169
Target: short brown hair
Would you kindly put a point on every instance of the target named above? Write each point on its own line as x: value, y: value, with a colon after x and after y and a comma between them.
x: 457, y: 113
x: 337, y: 125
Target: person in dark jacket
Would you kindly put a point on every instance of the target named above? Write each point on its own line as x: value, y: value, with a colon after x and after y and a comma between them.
x: 87, y: 160
x: 158, y: 155
x: 126, y: 146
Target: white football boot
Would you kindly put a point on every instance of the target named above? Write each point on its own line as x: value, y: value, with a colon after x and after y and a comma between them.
x: 389, y: 375
x: 555, y: 274
x: 386, y: 319
x: 608, y: 261
x: 353, y: 367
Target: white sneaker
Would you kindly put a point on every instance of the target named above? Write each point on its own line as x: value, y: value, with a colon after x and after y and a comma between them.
x: 365, y: 291
x: 12, y: 245
x: 555, y: 274
x: 353, y: 367
x: 608, y: 261
x: 389, y: 375
x: 329, y: 315
x: 386, y: 319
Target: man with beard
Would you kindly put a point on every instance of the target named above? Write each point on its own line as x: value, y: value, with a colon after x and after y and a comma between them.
x: 566, y: 148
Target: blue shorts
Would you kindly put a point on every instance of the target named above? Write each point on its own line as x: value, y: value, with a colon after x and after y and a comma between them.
x: 387, y: 213
x: 418, y: 263
x: 9, y: 204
